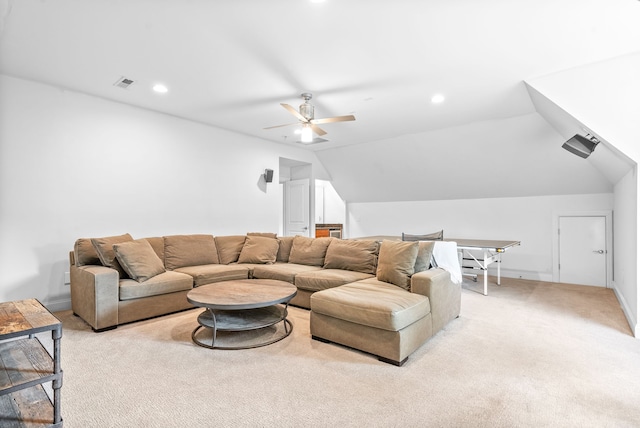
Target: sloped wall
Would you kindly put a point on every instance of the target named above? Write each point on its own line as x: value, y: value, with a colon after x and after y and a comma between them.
x: 519, y: 156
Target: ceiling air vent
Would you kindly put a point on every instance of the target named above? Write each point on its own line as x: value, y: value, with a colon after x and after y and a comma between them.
x: 123, y: 83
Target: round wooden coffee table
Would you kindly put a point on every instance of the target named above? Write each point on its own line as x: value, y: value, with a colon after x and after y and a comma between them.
x: 240, y: 305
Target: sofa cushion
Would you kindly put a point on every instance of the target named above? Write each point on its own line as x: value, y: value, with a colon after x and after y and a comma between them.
x: 229, y: 248
x: 208, y: 274
x: 138, y: 259
x: 359, y: 256
x: 423, y: 259
x: 157, y: 243
x: 264, y: 234
x: 281, y: 271
x: 372, y: 303
x: 435, y: 236
x: 259, y: 249
x: 166, y: 282
x: 104, y: 248
x: 85, y: 253
x: 327, y: 278
x: 396, y: 262
x: 284, y: 248
x: 189, y: 250
x: 309, y: 251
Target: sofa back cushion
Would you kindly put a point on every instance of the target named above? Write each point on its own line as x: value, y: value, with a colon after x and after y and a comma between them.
x: 423, y: 260
x: 355, y: 255
x: 229, y: 248
x: 84, y: 253
x: 259, y: 249
x: 157, y: 243
x: 264, y: 234
x: 189, y: 250
x: 396, y: 262
x: 309, y: 251
x: 104, y: 248
x: 139, y: 259
x: 284, y: 248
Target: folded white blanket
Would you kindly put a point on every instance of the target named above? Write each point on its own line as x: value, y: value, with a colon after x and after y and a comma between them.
x: 445, y: 256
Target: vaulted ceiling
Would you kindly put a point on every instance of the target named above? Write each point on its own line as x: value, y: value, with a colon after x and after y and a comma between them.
x: 230, y: 63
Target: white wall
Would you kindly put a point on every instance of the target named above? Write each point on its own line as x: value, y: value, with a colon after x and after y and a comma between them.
x: 76, y: 166
x: 330, y: 208
x: 625, y: 216
x: 525, y: 219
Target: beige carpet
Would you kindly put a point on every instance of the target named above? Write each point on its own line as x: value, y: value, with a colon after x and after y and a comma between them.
x: 529, y: 354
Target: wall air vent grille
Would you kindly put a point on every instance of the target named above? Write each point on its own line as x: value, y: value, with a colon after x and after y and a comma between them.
x: 123, y: 83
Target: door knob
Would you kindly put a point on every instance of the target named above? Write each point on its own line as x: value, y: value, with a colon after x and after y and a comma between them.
x: 599, y: 251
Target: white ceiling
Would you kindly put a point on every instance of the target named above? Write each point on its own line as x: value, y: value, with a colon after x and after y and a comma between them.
x: 230, y: 63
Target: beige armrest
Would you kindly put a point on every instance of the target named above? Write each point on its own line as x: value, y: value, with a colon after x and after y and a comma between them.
x: 444, y: 296
x: 94, y: 295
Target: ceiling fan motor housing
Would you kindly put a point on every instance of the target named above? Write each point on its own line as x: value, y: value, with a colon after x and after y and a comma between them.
x: 306, y: 110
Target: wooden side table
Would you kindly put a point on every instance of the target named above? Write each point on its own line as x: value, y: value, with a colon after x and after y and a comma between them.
x: 25, y: 365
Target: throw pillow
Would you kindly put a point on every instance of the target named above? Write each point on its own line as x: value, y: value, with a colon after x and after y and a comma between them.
x: 423, y: 260
x: 355, y: 255
x: 259, y: 249
x: 84, y: 253
x: 189, y: 250
x: 139, y: 259
x: 229, y: 248
x: 284, y: 248
x: 396, y: 262
x: 309, y: 251
x: 104, y: 248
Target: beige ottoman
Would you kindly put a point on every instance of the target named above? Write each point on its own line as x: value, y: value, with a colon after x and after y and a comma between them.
x: 372, y: 316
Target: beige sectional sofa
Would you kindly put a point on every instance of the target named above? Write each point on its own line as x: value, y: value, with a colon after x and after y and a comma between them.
x: 379, y: 297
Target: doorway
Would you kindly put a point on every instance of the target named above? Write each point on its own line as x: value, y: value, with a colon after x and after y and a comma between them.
x: 297, y: 197
x: 582, y: 249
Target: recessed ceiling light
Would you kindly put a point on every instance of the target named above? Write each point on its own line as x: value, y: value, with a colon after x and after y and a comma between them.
x: 317, y: 1
x: 437, y: 98
x: 160, y: 88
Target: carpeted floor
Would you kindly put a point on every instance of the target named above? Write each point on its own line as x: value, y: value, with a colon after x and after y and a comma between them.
x: 529, y: 354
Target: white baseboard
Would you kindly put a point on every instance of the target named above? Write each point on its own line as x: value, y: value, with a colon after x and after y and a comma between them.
x: 519, y: 274
x: 58, y: 305
x: 631, y: 319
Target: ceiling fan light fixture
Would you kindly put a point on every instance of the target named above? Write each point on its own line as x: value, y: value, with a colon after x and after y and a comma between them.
x: 306, y: 134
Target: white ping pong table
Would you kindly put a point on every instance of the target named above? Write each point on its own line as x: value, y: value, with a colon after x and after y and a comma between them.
x: 491, y: 253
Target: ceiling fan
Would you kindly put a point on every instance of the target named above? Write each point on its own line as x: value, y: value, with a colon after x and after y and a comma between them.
x: 306, y: 118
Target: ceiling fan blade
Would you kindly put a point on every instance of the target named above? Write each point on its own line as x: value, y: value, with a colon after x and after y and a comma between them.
x: 318, y: 130
x: 334, y: 119
x: 294, y: 112
x: 280, y: 126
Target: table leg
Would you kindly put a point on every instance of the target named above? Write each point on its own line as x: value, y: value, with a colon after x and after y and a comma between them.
x: 484, y: 270
x: 499, y: 257
x: 213, y: 329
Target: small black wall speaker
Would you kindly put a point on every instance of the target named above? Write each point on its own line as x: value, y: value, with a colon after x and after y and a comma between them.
x: 580, y: 146
x: 268, y: 175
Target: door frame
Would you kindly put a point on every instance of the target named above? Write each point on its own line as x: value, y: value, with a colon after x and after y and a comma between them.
x: 608, y: 215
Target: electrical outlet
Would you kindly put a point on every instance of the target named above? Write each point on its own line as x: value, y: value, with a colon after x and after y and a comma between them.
x: 67, y: 278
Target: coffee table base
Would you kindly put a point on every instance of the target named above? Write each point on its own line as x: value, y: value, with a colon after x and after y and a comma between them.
x: 237, y: 321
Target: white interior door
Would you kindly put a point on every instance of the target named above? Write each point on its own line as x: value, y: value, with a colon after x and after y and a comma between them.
x: 582, y: 252
x: 296, y: 207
